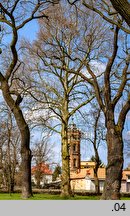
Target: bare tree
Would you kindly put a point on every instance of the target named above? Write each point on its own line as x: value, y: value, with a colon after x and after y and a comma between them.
x: 10, y: 10
x: 115, y: 87
x: 42, y: 153
x: 121, y: 6
x: 10, y: 150
x: 112, y: 14
x: 113, y: 92
x: 62, y: 92
x: 96, y: 140
x: 108, y: 97
x: 2, y: 143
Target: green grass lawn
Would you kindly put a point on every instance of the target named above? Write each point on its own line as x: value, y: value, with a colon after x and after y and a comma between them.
x: 17, y: 196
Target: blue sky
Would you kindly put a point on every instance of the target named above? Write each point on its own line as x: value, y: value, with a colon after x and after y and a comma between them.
x: 29, y: 32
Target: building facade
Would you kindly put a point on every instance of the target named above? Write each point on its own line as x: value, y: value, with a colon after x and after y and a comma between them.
x: 41, y: 173
x: 82, y: 172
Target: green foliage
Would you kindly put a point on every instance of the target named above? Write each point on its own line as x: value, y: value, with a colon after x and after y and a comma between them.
x: 101, y: 164
x: 56, y: 173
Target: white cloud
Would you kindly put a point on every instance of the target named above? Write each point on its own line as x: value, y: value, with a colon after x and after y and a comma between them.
x: 97, y: 67
x: 128, y: 115
x: 128, y: 135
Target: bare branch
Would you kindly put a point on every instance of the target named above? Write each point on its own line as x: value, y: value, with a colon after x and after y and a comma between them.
x: 118, y: 24
x: 125, y: 109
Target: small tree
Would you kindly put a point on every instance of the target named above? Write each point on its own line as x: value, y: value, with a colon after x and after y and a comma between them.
x: 42, y: 152
x: 98, y: 137
x: 94, y: 122
x: 98, y: 164
x: 56, y: 173
x: 10, y: 149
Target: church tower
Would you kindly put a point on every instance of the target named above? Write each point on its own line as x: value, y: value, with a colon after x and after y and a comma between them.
x: 74, y: 136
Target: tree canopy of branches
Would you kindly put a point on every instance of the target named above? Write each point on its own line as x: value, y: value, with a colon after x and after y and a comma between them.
x: 14, y: 16
x: 81, y: 52
x: 114, y: 91
x: 54, y: 85
x: 114, y: 15
x: 123, y: 8
x: 108, y: 9
x: 115, y: 80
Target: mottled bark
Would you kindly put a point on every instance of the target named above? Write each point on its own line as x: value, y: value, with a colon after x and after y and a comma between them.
x: 115, y: 163
x: 65, y: 188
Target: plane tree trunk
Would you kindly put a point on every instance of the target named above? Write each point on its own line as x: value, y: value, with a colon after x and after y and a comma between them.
x: 65, y: 188
x: 115, y: 163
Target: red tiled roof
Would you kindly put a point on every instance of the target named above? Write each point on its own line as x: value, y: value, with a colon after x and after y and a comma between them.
x: 125, y: 174
x: 44, y: 168
x: 90, y: 173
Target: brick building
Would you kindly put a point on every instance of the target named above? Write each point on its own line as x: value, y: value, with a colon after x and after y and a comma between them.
x: 74, y: 136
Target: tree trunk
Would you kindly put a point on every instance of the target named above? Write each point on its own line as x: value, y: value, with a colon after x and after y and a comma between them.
x: 122, y: 7
x: 115, y: 163
x: 12, y: 185
x: 26, y: 162
x: 97, y: 164
x: 25, y: 139
x: 97, y: 190
x: 96, y: 180
x: 38, y: 175
x: 65, y: 188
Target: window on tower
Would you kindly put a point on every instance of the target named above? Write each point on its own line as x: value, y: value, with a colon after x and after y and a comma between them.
x: 74, y: 163
x: 74, y: 147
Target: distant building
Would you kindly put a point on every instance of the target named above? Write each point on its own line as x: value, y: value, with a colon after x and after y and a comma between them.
x: 84, y: 180
x: 82, y: 172
x: 74, y: 136
x: 43, y: 172
x: 87, y: 164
